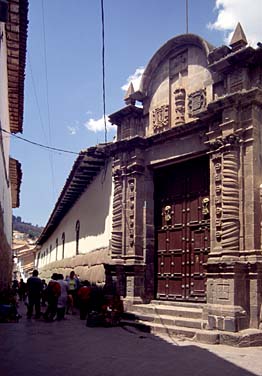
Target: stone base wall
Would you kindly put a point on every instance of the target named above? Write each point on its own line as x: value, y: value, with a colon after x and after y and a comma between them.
x: 89, y: 266
x: 234, y: 296
x: 6, y: 261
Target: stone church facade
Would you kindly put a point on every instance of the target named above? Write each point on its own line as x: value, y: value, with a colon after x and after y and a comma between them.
x: 185, y: 212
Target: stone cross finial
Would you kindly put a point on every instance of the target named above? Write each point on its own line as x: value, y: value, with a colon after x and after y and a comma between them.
x: 130, y: 91
x: 239, y: 39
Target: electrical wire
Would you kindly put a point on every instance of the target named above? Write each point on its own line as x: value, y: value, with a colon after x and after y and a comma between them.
x: 47, y: 101
x: 103, y: 66
x: 36, y: 97
x: 40, y: 145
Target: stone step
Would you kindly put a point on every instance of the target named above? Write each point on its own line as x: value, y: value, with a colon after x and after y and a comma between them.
x: 171, y: 320
x: 173, y: 331
x: 168, y: 310
x: 178, y: 304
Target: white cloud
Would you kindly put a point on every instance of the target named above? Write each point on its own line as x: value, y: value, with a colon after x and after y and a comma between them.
x: 135, y: 79
x: 99, y: 125
x: 72, y: 129
x: 247, y: 12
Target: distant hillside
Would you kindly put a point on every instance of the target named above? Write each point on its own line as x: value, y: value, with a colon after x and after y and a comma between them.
x: 26, y: 228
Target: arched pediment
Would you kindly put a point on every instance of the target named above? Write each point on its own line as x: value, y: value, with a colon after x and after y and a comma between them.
x: 176, y: 84
x: 171, y: 46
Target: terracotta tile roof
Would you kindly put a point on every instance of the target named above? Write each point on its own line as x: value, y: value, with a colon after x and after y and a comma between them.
x: 16, y: 37
x: 15, y: 174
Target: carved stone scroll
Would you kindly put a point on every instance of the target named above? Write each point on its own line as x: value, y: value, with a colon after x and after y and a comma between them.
x: 196, y: 102
x: 160, y: 117
x: 131, y: 198
x: 218, y: 192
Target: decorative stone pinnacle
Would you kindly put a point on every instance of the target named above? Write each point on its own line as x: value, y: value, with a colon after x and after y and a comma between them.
x: 239, y: 39
x: 128, y: 99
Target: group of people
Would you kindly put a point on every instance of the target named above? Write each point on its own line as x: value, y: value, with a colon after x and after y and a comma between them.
x: 59, y: 294
x: 97, y: 305
x: 66, y: 295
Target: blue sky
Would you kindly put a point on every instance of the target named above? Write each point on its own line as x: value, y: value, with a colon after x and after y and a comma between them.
x: 63, y: 86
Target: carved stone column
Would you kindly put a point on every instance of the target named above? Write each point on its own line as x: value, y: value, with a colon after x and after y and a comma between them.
x: 226, y: 307
x: 225, y: 194
x: 116, y: 244
x: 230, y: 230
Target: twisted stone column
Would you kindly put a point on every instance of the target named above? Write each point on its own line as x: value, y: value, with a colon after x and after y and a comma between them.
x: 116, y: 247
x: 230, y: 200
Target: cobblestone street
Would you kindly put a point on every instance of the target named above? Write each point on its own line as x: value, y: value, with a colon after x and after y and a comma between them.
x: 69, y: 347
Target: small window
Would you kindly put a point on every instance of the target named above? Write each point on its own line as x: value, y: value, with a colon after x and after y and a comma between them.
x: 56, y: 248
x: 63, y: 245
x: 77, y: 236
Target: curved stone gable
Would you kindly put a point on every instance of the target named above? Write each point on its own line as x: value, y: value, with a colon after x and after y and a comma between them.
x: 177, y: 84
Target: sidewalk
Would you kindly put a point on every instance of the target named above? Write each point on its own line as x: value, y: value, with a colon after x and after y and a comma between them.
x: 64, y: 348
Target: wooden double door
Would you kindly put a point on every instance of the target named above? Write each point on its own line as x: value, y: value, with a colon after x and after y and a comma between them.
x: 182, y: 230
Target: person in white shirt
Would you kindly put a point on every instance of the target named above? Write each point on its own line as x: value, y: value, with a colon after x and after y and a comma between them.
x: 62, y: 300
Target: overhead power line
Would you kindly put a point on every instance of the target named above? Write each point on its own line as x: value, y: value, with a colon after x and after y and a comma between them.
x: 103, y: 66
x: 47, y: 101
x: 38, y: 144
x: 187, y: 16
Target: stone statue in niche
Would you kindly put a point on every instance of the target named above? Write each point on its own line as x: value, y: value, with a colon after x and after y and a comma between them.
x: 196, y: 102
x: 160, y: 117
x: 180, y: 97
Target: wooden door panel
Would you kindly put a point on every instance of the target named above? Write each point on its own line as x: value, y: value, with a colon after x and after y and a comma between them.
x: 182, y: 230
x: 176, y: 239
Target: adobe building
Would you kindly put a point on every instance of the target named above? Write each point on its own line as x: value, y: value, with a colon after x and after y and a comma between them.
x: 185, y: 204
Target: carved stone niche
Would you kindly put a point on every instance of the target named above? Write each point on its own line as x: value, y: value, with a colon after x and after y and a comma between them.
x: 237, y: 80
x: 160, y: 117
x: 178, y: 64
x: 196, y: 102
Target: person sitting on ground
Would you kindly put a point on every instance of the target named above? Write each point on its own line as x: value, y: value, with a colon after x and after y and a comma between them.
x: 8, y: 306
x: 62, y: 300
x: 112, y: 310
x: 34, y: 289
x: 84, y: 295
x: 53, y: 291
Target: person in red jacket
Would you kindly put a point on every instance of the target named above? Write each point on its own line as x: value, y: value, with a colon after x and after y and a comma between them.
x: 53, y: 291
x: 84, y: 294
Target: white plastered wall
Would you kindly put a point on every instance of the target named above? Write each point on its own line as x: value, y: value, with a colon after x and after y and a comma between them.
x: 94, y: 212
x: 5, y: 188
